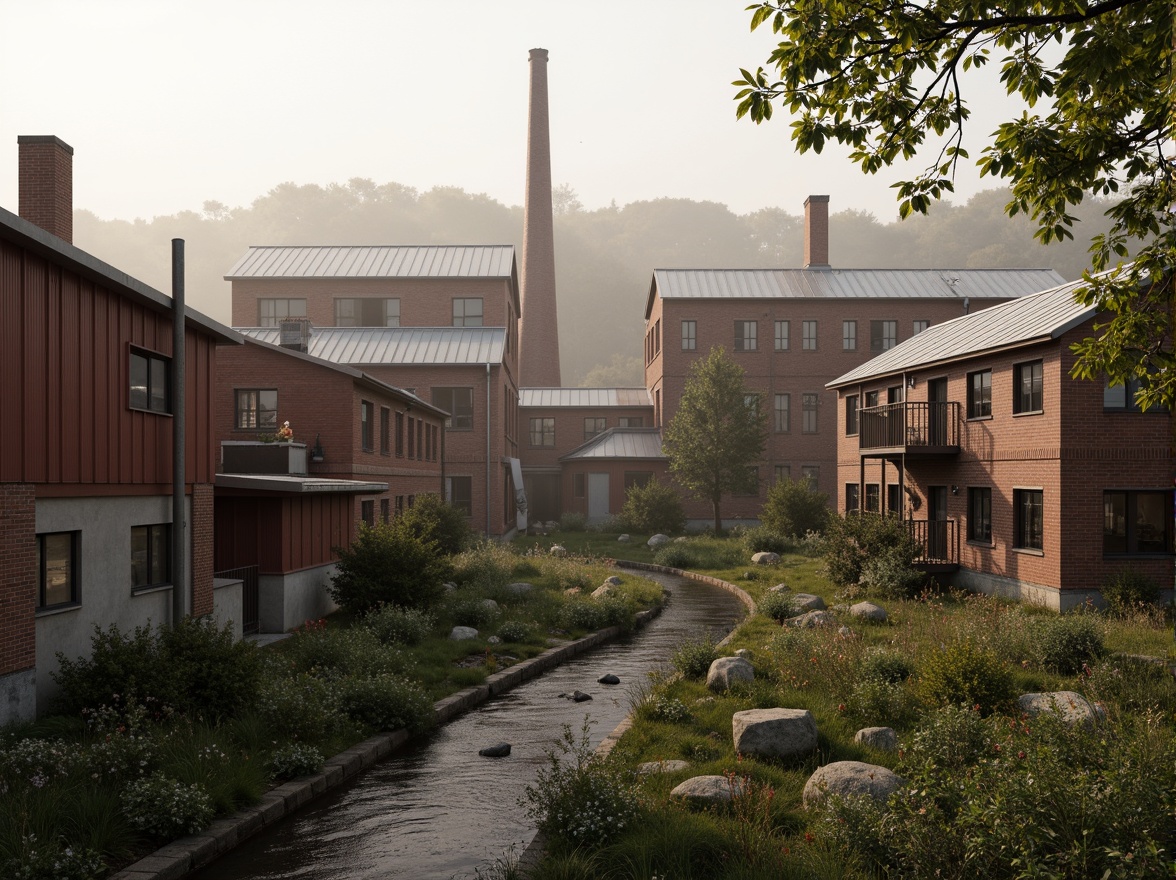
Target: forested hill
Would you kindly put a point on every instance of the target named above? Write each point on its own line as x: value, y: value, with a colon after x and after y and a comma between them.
x: 604, y: 258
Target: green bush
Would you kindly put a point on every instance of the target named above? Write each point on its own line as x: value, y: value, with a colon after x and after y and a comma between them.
x: 293, y: 760
x: 886, y: 666
x: 389, y: 564
x: 472, y: 612
x: 514, y: 631
x: 1129, y: 684
x: 1127, y: 589
x: 876, y: 702
x: 762, y: 539
x: 651, y: 508
x: 963, y: 674
x: 676, y: 555
x: 693, y: 657
x: 594, y: 614
x: 392, y: 624
x: 387, y: 702
x: 194, y: 668
x: 1066, y: 643
x: 571, y: 521
x: 794, y: 507
x: 164, y: 808
x: 489, y: 566
x: 53, y: 861
x: 853, y: 539
x: 432, y: 519
x: 300, y: 707
x: 776, y: 605
x: 658, y: 707
x: 337, y: 651
x: 890, y: 576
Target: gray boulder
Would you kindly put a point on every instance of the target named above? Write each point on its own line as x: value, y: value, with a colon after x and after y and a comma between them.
x: 497, y: 751
x: 765, y: 557
x: 624, y: 539
x: 869, y: 611
x: 813, y: 618
x: 608, y: 679
x: 461, y: 633
x: 780, y: 588
x: 449, y: 586
x: 650, y: 767
x: 708, y: 789
x: 603, y: 591
x: 884, y: 739
x: 774, y: 733
x: 657, y: 540
x: 519, y: 588
x: 807, y: 602
x: 558, y: 550
x: 850, y: 779
x: 1069, y: 706
x: 613, y: 581
x: 725, y: 671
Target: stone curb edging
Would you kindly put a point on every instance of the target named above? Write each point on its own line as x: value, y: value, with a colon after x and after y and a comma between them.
x: 529, y: 858
x: 186, y: 854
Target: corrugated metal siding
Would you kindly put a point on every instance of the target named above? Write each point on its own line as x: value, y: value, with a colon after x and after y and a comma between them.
x: 852, y: 283
x: 385, y: 261
x: 583, y: 397
x: 398, y: 345
x: 1043, y: 315
x: 633, y: 443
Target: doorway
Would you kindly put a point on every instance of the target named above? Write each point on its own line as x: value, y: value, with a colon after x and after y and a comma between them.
x: 936, y: 523
x: 597, y: 497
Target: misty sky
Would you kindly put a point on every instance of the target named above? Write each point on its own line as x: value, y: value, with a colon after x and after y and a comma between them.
x: 169, y: 103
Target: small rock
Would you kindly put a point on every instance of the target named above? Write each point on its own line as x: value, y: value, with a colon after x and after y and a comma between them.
x: 780, y: 588
x: 725, y: 671
x: 572, y: 591
x: 461, y: 633
x: 657, y: 541
x: 1070, y: 707
x: 580, y: 697
x: 519, y: 588
x: 449, y: 586
x: 869, y: 611
x: 850, y: 778
x: 490, y: 605
x: 624, y: 539
x: 650, y: 767
x: 745, y: 653
x: 845, y: 632
x: 774, y: 733
x: 551, y: 526
x: 884, y: 739
x: 808, y: 602
x: 603, y: 591
x: 613, y: 581
x: 709, y: 789
x: 813, y: 618
x: 766, y: 558
x: 558, y: 550
x: 608, y: 679
x: 497, y: 751
x: 681, y: 540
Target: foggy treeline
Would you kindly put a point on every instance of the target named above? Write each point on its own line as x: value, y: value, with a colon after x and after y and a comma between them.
x: 604, y: 258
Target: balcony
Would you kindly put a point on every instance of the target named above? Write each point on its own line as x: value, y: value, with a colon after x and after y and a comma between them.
x: 256, y: 457
x: 939, y: 541
x: 918, y: 429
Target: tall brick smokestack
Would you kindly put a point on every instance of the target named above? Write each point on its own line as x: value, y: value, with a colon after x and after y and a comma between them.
x: 45, y: 178
x: 539, y: 329
x: 816, y: 232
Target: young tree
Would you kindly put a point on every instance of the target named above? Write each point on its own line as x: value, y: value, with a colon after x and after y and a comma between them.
x: 717, y: 435
x: 881, y: 76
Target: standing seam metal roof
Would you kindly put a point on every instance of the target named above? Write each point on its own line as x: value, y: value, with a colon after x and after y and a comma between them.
x: 632, y: 443
x: 375, y: 261
x: 583, y: 397
x: 398, y: 345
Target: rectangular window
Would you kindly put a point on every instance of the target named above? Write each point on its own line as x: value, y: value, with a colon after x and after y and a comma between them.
x: 365, y: 425
x: 809, y: 403
x: 57, y: 569
x: 385, y: 510
x: 1122, y: 397
x: 689, y: 335
x: 918, y: 327
x: 811, y: 474
x: 257, y: 408
x: 783, y: 472
x: 980, y: 394
x: 578, y: 485
x: 883, y: 335
x: 150, y: 555
x: 873, y: 498
x: 542, y: 432
x: 593, y: 425
x: 871, y: 399
x: 631, y: 422
x: 1028, y: 519
x: 745, y: 335
x: 980, y: 515
x: 467, y: 312
x: 412, y: 437
x: 149, y: 382
x: 851, y: 415
x: 367, y: 512
x: 751, y: 401
x: 1027, y: 387
x: 808, y: 335
x: 849, y: 335
x: 781, y: 336
x: 459, y: 492
x: 637, y: 478
x: 783, y: 413
x: 851, y: 497
x: 385, y: 431
x: 367, y: 311
x: 1137, y: 522
x: 400, y: 435
x: 420, y: 439
x: 459, y: 403
x: 894, y: 498
x: 271, y: 311
x: 398, y: 505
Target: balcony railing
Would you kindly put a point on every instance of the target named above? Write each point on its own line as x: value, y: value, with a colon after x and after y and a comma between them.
x: 255, y: 457
x: 910, y: 427
x: 938, y: 539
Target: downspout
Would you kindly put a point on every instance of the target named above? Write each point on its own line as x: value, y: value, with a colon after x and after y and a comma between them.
x: 487, y: 449
x: 179, y: 357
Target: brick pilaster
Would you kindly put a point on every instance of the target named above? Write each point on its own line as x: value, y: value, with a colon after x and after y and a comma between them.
x: 18, y: 577
x: 202, y: 558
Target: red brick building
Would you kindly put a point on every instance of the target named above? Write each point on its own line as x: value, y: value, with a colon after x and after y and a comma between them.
x: 1016, y: 478
x: 597, y: 475
x: 793, y: 331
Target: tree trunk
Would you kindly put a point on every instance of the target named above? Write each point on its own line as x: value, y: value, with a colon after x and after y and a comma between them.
x: 718, y: 517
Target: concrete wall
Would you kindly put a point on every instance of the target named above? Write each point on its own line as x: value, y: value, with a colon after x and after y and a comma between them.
x: 288, y: 601
x: 228, y: 605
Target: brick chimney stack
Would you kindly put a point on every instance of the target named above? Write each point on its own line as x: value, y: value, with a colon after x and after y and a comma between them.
x: 539, y: 329
x: 816, y: 232
x: 46, y: 183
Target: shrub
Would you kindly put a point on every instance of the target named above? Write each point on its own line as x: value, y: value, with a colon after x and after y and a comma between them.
x: 776, y: 605
x: 216, y: 674
x: 887, y: 666
x: 45, y: 861
x: 571, y: 521
x: 387, y: 702
x: 1127, y: 589
x: 389, y: 564
x: 951, y: 737
x: 293, y: 760
x: 488, y: 566
x: 853, y: 539
x: 432, y: 519
x: 301, y: 707
x: 404, y: 626
x: 472, y: 612
x: 693, y: 657
x: 1131, y: 685
x: 1066, y: 643
x: 164, y: 808
x: 514, y: 631
x: 876, y: 701
x: 335, y: 651
x: 653, y: 507
x: 676, y: 555
x: 890, y: 576
x: 594, y: 614
x: 662, y: 708
x: 963, y: 674
x: 761, y: 539
x: 794, y: 507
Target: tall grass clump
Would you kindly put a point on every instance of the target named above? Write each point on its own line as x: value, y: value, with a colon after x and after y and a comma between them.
x: 392, y: 624
x: 694, y: 656
x: 1067, y: 643
x: 485, y: 567
x: 1128, y: 589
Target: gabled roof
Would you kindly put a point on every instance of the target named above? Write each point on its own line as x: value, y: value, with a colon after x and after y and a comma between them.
x: 847, y: 283
x: 630, y: 443
x: 398, y: 345
x: 583, y: 397
x: 1031, y: 319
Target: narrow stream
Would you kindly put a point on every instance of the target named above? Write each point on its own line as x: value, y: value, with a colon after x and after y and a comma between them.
x: 437, y: 810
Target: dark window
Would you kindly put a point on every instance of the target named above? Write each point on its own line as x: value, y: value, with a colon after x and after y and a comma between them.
x: 781, y: 336
x: 873, y: 497
x: 980, y: 515
x: 400, y: 435
x: 57, y: 569
x: 420, y: 439
x: 783, y: 413
x: 1028, y: 519
x: 412, y: 453
x: 542, y: 432
x: 631, y: 421
x: 783, y: 472
x: 871, y: 399
x: 809, y: 403
x: 399, y: 505
x: 270, y: 312
x: 851, y: 496
x: 150, y: 555
x: 918, y: 327
x: 459, y: 494
x: 894, y: 498
x: 593, y: 425
x: 883, y: 335
x: 367, y: 512
x: 849, y: 335
x: 637, y: 478
x: 980, y: 394
x: 1027, y: 387
x: 459, y: 403
x: 365, y: 425
x: 578, y: 482
x: 149, y: 382
x: 385, y: 431
x: 811, y: 474
x: 851, y: 415
x: 808, y: 335
x: 1137, y: 522
x: 257, y: 408
x: 689, y: 335
x: 745, y: 335
x: 1122, y: 397
x: 467, y: 312
x: 385, y: 513
x: 368, y: 311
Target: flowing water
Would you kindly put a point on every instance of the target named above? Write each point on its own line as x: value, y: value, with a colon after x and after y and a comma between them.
x: 437, y: 809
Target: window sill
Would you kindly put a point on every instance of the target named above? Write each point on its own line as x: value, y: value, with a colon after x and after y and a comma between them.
x: 1028, y: 551
x: 53, y: 610
x: 986, y: 545
x: 154, y: 412
x: 1029, y: 412
x: 147, y: 589
x: 987, y: 418
x: 1130, y: 556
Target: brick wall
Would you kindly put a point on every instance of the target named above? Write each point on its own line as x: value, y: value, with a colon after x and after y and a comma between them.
x: 202, y: 549
x: 569, y: 429
x: 18, y: 577
x: 46, y: 183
